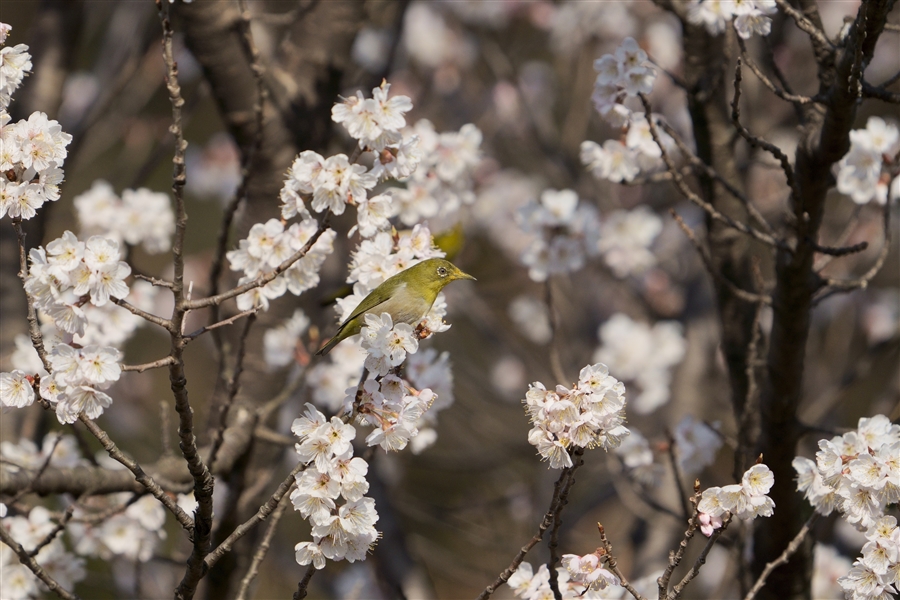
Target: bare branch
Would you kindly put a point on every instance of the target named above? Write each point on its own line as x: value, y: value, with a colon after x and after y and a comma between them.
x: 34, y: 567
x: 784, y: 95
x: 555, y: 506
x: 194, y: 335
x: 153, y: 280
x: 785, y: 556
x: 301, y: 587
x: 34, y: 328
x: 261, y: 551
x: 757, y: 141
x: 701, y: 560
x: 707, y: 262
x: 613, y: 566
x: 880, y: 93
x: 140, y: 476
x: 164, y: 323
x: 163, y: 362
x: 264, y: 511
x: 694, y: 198
x: 805, y: 24
x: 675, y: 557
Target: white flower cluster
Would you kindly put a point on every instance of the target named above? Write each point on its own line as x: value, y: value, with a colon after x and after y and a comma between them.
x: 139, y: 217
x: 393, y: 408
x: 864, y: 172
x: 638, y: 153
x: 331, y: 183
x: 620, y: 76
x: 590, y: 414
x: 857, y: 474
x: 74, y: 386
x: 565, y: 233
x: 280, y: 343
x: 15, y: 62
x: 696, y: 444
x: 386, y: 343
x: 642, y: 354
x: 625, y: 240
x: 877, y: 573
x: 78, y: 378
x: 581, y: 577
x: 746, y: 500
x: 32, y: 151
x: 25, y: 454
x: 339, y: 532
x: 134, y: 534
x: 70, y: 273
x: 637, y: 457
x: 430, y: 370
x: 750, y: 16
x: 442, y: 183
x: 64, y: 567
x: 375, y: 122
x: 267, y: 246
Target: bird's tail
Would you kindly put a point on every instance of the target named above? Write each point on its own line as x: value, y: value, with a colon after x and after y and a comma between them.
x: 327, y: 347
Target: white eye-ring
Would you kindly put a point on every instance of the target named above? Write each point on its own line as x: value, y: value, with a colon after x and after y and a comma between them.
x: 442, y: 271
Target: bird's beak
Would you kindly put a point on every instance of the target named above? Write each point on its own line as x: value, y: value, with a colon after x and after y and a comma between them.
x: 460, y: 275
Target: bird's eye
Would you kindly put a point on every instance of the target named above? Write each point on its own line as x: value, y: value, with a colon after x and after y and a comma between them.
x: 442, y: 271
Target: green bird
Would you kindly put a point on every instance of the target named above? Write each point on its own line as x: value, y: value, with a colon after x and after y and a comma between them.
x: 407, y: 297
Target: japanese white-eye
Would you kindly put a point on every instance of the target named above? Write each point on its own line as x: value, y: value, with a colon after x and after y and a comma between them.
x: 407, y: 297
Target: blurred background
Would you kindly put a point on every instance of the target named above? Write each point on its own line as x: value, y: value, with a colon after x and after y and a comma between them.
x: 455, y: 515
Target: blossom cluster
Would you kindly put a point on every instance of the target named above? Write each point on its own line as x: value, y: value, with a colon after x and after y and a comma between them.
x: 69, y: 273
x: 266, y: 247
x: 749, y: 16
x: 133, y: 534
x: 857, y: 474
x: 443, y: 181
x: 280, y: 343
x: 31, y: 531
x: 876, y: 574
x: 374, y: 122
x: 621, y: 75
x: 580, y: 577
x: 642, y: 354
x: 344, y: 532
x: 636, y: 153
x: 746, y: 500
x: 393, y: 408
x: 61, y: 450
x: 565, y: 233
x: 864, y: 172
x: 140, y: 216
x: 76, y: 384
x: 590, y: 414
x: 32, y: 151
x: 625, y: 240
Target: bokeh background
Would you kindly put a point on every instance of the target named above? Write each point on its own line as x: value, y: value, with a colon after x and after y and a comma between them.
x: 455, y: 515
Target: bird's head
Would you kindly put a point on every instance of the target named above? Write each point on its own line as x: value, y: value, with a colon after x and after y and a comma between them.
x: 433, y: 274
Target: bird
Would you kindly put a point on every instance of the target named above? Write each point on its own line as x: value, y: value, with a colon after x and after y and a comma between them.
x: 406, y: 296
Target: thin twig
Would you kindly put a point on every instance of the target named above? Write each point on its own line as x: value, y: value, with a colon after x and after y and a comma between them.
x: 139, y: 475
x: 194, y: 335
x: 544, y: 525
x: 260, y: 554
x: 51, y: 535
x: 553, y: 318
x: 805, y: 24
x: 834, y: 286
x: 234, y: 387
x: 304, y: 583
x: 783, y: 557
x: 710, y: 172
x: 164, y: 323
x: 163, y: 362
x: 557, y: 522
x: 34, y: 328
x: 40, y: 471
x: 794, y: 98
x: 718, y: 276
x: 264, y: 511
x: 613, y: 566
x: 153, y: 280
x: 675, y: 557
x: 679, y: 480
x: 757, y: 141
x: 701, y: 560
x: 686, y: 191
x: 34, y: 567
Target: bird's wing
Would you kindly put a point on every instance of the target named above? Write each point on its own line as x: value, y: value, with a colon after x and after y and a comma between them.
x: 389, y: 287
